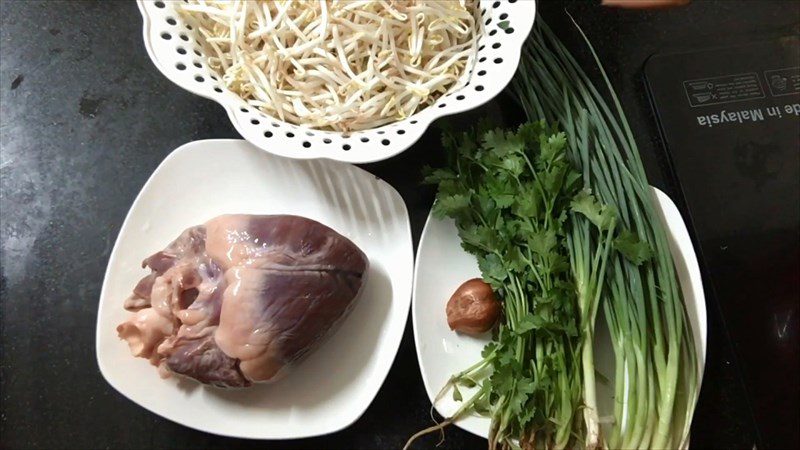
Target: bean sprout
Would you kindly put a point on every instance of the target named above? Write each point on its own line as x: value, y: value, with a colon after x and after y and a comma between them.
x: 339, y: 65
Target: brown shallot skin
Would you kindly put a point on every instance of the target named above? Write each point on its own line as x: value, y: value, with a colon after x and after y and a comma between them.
x: 473, y: 309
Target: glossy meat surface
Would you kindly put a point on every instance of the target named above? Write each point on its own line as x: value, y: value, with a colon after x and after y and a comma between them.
x: 240, y: 298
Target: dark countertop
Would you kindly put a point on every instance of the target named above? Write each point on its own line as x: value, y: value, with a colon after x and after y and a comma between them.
x: 85, y: 118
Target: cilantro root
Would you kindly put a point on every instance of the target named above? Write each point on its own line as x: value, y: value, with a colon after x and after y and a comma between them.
x: 438, y: 427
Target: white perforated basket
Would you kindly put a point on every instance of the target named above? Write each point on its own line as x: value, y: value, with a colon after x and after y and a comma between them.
x: 177, y: 52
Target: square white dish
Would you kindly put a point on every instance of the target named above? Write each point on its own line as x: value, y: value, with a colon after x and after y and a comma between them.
x: 442, y: 265
x: 335, y: 384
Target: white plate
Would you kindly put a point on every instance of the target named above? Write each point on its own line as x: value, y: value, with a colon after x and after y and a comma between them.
x: 179, y: 54
x: 442, y: 265
x: 331, y: 388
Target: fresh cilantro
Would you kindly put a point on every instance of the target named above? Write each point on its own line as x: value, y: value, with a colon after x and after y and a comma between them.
x: 492, y: 268
x: 451, y: 205
x: 528, y: 203
x: 602, y: 216
x: 502, y: 191
x: 519, y: 396
x: 436, y: 176
x: 529, y: 322
x: 502, y: 144
x: 488, y: 350
x: 633, y: 249
x: 511, y: 194
x: 457, y: 394
x: 467, y: 382
x: 542, y: 242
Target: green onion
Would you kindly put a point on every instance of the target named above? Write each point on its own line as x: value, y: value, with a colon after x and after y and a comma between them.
x: 562, y: 224
x: 642, y: 301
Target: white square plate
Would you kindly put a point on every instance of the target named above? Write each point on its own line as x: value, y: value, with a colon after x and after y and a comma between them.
x: 442, y: 265
x: 331, y: 388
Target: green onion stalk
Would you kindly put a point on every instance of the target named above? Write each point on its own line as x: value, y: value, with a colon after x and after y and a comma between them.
x: 656, y: 371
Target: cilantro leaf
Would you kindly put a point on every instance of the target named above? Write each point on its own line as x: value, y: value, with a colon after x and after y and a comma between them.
x: 450, y: 205
x: 529, y: 132
x: 571, y: 180
x: 480, y: 236
x: 602, y: 216
x: 633, y: 249
x: 552, y: 180
x: 488, y: 349
x: 485, y: 124
x: 542, y: 242
x: 492, y: 269
x: 501, y: 191
x: 481, y: 405
x: 558, y: 262
x: 515, y: 259
x: 513, y: 165
x: 524, y: 388
x: 467, y: 382
x: 486, y: 204
x: 457, y: 394
x: 436, y: 176
x: 529, y: 322
x: 528, y: 203
x: 517, y: 231
x: 503, y: 377
x: 449, y: 140
x: 502, y: 144
x: 552, y: 147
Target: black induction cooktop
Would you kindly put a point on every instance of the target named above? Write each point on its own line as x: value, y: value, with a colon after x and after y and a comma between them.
x: 730, y: 121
